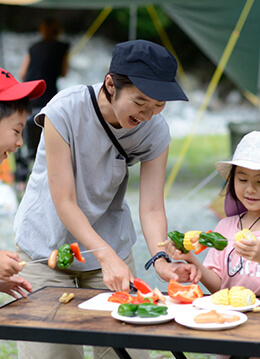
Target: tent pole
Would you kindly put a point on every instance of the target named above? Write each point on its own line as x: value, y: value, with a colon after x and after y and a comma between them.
x: 253, y: 99
x: 91, y: 31
x: 163, y: 36
x: 132, y: 22
x: 210, y: 90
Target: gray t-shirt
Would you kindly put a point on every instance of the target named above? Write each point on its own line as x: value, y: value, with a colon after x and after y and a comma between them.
x: 101, y: 176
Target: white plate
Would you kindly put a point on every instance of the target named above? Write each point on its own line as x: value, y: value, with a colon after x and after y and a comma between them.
x: 186, y: 319
x: 138, y: 320
x: 205, y: 303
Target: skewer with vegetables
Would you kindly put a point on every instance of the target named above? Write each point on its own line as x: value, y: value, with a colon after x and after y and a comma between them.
x: 196, y: 240
x: 64, y: 256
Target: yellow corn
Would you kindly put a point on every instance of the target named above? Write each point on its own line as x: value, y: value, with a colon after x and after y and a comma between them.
x: 246, y: 234
x: 237, y: 296
x: 221, y: 297
x: 241, y: 298
x: 187, y: 239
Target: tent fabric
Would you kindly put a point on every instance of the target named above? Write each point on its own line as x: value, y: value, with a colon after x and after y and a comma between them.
x: 209, y: 23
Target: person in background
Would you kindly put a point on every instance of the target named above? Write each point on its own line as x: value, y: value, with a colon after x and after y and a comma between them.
x: 14, y: 108
x: 77, y: 188
x: 46, y: 59
x: 239, y: 263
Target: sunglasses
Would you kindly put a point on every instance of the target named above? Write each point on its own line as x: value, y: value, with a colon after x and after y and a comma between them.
x: 237, y: 268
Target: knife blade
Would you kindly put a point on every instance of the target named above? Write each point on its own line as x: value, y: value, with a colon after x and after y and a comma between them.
x: 23, y: 263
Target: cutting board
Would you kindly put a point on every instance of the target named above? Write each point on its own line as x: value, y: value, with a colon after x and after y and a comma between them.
x: 100, y: 302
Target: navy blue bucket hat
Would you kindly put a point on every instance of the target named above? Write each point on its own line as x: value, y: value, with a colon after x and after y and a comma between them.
x: 150, y: 67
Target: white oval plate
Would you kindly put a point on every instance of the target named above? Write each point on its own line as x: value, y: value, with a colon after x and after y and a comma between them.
x: 186, y: 319
x: 205, y: 303
x: 138, y: 320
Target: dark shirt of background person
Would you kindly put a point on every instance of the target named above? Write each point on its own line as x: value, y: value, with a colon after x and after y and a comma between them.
x: 46, y: 59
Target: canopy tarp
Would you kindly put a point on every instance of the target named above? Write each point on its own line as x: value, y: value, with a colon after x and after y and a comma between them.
x: 209, y: 23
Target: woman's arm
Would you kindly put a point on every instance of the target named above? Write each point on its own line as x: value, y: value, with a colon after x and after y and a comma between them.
x: 154, y: 221
x: 116, y: 273
x: 24, y: 67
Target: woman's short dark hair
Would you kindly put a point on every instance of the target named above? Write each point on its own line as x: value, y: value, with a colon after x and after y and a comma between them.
x: 7, y: 108
x: 120, y: 81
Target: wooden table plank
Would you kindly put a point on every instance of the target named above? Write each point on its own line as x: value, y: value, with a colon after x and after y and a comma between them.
x: 30, y: 319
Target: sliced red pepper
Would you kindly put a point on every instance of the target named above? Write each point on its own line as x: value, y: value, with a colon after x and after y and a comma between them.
x: 141, y: 285
x: 184, y: 293
x: 76, y: 251
x: 120, y: 297
x: 200, y: 248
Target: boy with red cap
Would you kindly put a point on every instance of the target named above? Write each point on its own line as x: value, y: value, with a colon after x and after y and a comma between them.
x: 14, y: 106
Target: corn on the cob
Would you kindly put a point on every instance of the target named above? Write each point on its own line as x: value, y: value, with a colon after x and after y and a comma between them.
x: 246, y: 234
x: 241, y: 297
x: 221, y: 297
x: 237, y: 296
x: 187, y: 239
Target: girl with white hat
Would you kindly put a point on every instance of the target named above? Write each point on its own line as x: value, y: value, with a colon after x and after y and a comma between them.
x: 239, y: 263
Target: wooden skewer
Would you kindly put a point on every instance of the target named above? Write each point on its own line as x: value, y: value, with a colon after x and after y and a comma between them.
x: 161, y: 244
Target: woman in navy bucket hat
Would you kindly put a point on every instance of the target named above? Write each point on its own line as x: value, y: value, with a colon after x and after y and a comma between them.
x: 77, y: 187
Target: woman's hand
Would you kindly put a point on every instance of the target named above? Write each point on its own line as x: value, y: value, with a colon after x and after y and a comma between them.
x: 116, y: 274
x: 248, y: 249
x: 9, y: 264
x: 178, y: 271
x: 15, y: 286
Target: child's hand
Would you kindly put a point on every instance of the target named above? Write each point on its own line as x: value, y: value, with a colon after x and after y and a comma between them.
x: 248, y: 249
x: 175, y: 253
x: 15, y: 286
x: 9, y: 264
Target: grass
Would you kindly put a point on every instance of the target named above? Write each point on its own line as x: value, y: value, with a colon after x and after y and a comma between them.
x: 199, y: 155
x: 198, y: 163
x: 198, y: 160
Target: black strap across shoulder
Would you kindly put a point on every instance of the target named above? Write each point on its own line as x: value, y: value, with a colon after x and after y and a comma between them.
x: 104, y: 124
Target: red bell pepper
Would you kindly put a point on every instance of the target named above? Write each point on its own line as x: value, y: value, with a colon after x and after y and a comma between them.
x: 141, y: 285
x: 120, y: 297
x: 184, y: 293
x: 76, y: 251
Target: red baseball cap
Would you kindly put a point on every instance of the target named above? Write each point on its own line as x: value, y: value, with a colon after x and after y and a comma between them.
x: 11, y: 89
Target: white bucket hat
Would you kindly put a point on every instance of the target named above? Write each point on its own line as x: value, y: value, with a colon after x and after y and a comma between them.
x: 247, y: 155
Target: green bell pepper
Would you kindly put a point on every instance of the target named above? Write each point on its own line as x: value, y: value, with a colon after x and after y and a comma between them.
x: 213, y: 239
x: 128, y: 309
x: 177, y: 239
x: 150, y: 310
x: 65, y: 256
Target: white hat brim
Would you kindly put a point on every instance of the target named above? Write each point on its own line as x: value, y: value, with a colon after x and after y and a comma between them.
x: 224, y: 167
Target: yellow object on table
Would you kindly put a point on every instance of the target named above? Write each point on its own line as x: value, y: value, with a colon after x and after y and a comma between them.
x: 221, y: 297
x: 237, y: 296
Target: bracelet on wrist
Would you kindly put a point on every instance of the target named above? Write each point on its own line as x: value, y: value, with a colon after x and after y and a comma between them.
x: 154, y: 259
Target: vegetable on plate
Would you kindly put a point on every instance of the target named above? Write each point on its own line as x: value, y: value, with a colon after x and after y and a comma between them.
x: 143, y: 310
x: 184, y: 293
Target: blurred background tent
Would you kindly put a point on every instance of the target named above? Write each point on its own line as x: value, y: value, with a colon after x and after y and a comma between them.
x: 226, y: 31
x: 208, y: 23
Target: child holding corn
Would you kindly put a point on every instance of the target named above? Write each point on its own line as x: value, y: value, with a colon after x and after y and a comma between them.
x: 238, y: 264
